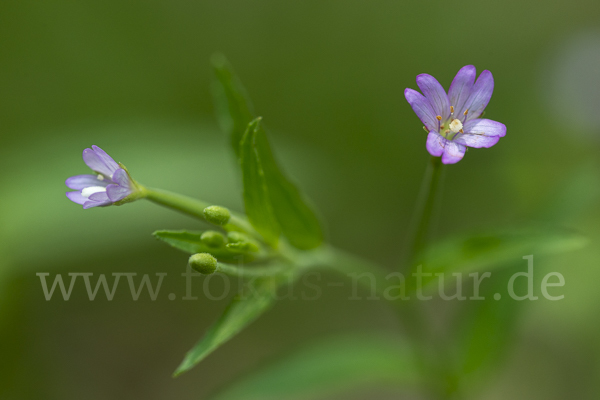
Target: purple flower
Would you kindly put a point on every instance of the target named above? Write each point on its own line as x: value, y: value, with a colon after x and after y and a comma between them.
x: 452, y: 119
x: 110, y: 184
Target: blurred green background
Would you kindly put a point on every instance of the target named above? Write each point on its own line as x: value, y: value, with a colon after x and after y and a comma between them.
x: 328, y: 77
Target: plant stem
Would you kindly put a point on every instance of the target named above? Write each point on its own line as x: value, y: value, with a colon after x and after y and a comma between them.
x: 432, y: 357
x: 428, y: 197
x: 429, y: 356
x: 340, y: 261
x: 195, y: 208
x: 352, y: 266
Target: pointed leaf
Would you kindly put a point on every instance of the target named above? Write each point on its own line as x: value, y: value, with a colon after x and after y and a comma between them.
x: 186, y: 241
x: 234, y: 110
x: 243, y: 310
x: 256, y: 196
x: 190, y: 242
x: 332, y: 366
x: 297, y: 219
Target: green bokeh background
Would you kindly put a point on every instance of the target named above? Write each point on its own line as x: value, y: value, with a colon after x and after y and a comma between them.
x: 328, y: 77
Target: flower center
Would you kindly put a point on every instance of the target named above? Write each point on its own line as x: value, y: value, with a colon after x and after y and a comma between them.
x: 90, y: 190
x: 455, y: 126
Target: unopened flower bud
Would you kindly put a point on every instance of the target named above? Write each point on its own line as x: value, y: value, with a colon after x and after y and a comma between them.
x: 217, y: 215
x: 204, y: 263
x: 213, y: 239
x: 236, y: 237
x: 241, y: 243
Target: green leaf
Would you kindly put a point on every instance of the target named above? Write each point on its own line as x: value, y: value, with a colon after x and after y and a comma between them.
x: 296, y: 218
x: 252, y: 302
x: 256, y: 195
x: 186, y: 241
x: 234, y: 110
x: 190, y: 242
x: 485, y: 328
x: 332, y: 366
x: 487, y: 251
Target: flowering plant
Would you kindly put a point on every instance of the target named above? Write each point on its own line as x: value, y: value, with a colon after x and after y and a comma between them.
x: 280, y: 238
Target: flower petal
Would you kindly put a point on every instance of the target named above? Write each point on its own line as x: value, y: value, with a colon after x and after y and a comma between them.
x: 480, y: 95
x: 95, y: 163
x: 116, y: 192
x: 106, y: 159
x: 485, y: 127
x: 91, y: 204
x: 98, y: 199
x: 99, y: 196
x: 99, y: 161
x: 477, y: 141
x: 76, y: 197
x: 435, y: 144
x: 461, y: 87
x: 435, y: 93
x: 79, y: 182
x: 422, y: 108
x: 121, y: 178
x: 453, y: 152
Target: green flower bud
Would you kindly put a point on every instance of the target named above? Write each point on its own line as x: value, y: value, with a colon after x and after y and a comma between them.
x: 204, y: 263
x: 241, y: 243
x: 213, y: 239
x: 217, y: 215
x: 236, y: 237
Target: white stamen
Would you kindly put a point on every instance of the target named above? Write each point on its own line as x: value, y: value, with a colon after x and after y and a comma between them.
x: 90, y: 190
x: 100, y: 177
x: 456, y: 126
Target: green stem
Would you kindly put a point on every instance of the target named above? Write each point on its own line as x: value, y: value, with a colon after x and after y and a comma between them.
x: 374, y: 279
x: 181, y: 203
x: 330, y: 257
x: 433, y: 358
x: 351, y: 265
x: 428, y: 196
x: 324, y: 256
x: 195, y: 208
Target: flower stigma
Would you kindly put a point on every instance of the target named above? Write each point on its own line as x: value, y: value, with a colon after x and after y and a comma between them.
x: 456, y: 126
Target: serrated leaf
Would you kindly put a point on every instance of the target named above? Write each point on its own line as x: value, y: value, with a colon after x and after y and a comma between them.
x: 234, y: 110
x: 487, y: 251
x: 329, y: 367
x: 296, y: 218
x: 255, y: 300
x: 189, y: 242
x: 256, y: 195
